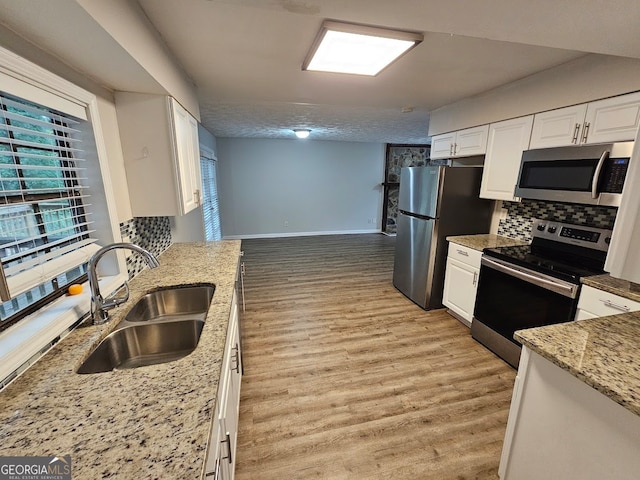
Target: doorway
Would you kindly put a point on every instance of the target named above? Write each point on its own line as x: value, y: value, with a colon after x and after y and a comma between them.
x: 398, y: 156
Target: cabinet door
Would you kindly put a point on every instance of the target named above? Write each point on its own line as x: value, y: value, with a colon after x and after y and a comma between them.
x: 613, y: 120
x: 188, y: 158
x: 442, y: 145
x: 601, y: 303
x: 507, y: 140
x: 460, y: 286
x: 558, y: 128
x: 231, y: 406
x: 213, y: 465
x: 472, y: 141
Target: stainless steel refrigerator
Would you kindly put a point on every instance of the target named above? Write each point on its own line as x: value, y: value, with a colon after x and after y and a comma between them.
x: 434, y: 203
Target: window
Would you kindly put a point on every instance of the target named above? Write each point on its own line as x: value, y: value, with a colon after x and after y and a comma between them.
x: 210, y: 207
x: 45, y: 231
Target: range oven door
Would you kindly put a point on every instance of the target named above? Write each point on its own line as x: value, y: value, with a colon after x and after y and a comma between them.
x: 513, y: 298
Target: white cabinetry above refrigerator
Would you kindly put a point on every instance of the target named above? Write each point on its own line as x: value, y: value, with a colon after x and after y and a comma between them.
x: 463, y: 143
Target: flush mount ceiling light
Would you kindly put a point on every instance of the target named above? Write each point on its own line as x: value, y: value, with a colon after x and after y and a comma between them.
x: 302, y: 132
x: 357, y: 49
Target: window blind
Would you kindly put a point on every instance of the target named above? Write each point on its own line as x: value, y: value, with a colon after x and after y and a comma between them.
x: 45, y: 229
x: 210, y: 206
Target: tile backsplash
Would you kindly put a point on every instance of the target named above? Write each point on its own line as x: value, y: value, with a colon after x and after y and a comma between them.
x: 520, y: 216
x: 151, y: 233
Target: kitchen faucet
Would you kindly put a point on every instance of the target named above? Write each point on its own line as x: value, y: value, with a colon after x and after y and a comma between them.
x: 101, y: 305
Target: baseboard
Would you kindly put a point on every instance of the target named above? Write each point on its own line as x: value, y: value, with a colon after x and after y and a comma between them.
x: 297, y: 234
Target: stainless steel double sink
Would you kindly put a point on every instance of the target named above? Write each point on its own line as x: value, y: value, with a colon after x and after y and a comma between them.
x: 162, y: 326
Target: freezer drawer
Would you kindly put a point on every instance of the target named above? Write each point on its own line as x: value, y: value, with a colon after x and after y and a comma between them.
x: 413, y: 263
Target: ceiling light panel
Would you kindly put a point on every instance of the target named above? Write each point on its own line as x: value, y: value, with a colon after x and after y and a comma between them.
x: 357, y: 49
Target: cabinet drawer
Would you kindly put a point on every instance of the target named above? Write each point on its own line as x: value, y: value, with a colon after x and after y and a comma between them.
x: 603, y: 303
x: 465, y: 254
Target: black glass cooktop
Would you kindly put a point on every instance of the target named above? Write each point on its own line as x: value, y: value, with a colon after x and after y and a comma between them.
x: 558, y: 264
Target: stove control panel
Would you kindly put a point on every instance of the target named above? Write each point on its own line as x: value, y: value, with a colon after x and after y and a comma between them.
x: 582, y: 235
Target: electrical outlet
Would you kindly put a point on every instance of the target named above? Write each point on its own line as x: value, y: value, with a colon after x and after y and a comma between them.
x: 286, y: 223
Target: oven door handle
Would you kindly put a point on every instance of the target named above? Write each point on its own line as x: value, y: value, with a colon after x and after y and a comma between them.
x: 596, y: 175
x: 529, y: 276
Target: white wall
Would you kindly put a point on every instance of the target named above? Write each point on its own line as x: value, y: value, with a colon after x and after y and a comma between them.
x: 106, y: 109
x: 587, y: 78
x: 318, y: 187
x: 125, y: 21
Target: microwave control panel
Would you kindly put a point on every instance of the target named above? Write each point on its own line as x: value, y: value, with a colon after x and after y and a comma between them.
x: 615, y: 173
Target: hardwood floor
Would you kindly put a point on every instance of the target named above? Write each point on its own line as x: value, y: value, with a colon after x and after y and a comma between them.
x: 345, y: 378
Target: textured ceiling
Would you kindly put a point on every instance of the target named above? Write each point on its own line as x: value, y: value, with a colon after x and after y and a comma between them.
x: 245, y: 56
x: 327, y: 122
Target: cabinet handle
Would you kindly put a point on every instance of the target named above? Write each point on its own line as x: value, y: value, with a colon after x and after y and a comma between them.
x: 215, y: 472
x: 228, y: 442
x: 236, y: 358
x: 463, y: 253
x: 585, y: 132
x: 196, y: 197
x: 575, y: 134
x: 242, y: 272
x: 451, y: 149
x: 475, y: 278
x: 455, y: 148
x: 622, y: 308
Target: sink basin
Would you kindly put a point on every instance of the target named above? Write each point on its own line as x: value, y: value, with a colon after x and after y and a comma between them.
x: 174, y: 303
x: 144, y: 344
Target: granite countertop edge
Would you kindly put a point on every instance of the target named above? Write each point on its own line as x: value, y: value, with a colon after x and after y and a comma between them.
x: 149, y: 422
x: 485, y: 240
x: 607, y: 283
x: 601, y: 352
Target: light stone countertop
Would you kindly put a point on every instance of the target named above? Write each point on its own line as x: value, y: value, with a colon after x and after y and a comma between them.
x: 149, y: 422
x: 602, y: 352
x: 617, y: 286
x: 482, y: 241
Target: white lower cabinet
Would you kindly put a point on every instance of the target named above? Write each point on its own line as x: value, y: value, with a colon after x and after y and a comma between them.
x: 461, y: 281
x: 598, y: 303
x: 221, y: 455
x: 561, y: 428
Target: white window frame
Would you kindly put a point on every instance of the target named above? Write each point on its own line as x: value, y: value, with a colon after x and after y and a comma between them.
x: 21, y: 343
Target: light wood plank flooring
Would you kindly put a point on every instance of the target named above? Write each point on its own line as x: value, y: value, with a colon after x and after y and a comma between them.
x: 345, y: 378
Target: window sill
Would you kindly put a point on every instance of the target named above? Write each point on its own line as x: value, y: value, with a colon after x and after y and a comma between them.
x: 24, y: 343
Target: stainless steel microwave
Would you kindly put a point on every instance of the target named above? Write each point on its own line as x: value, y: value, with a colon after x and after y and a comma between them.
x: 589, y: 174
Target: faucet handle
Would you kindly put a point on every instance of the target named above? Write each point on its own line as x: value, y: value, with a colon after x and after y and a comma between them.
x: 113, y: 300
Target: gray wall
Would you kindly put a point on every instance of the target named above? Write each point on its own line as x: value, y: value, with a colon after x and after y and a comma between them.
x: 318, y: 187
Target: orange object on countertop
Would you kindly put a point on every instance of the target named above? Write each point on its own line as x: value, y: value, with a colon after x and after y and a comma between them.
x: 75, y: 289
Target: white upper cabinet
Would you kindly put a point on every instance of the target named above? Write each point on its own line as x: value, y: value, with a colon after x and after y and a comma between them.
x: 558, y: 127
x: 442, y: 145
x: 161, y: 154
x: 463, y: 143
x: 611, y: 120
x: 507, y: 140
